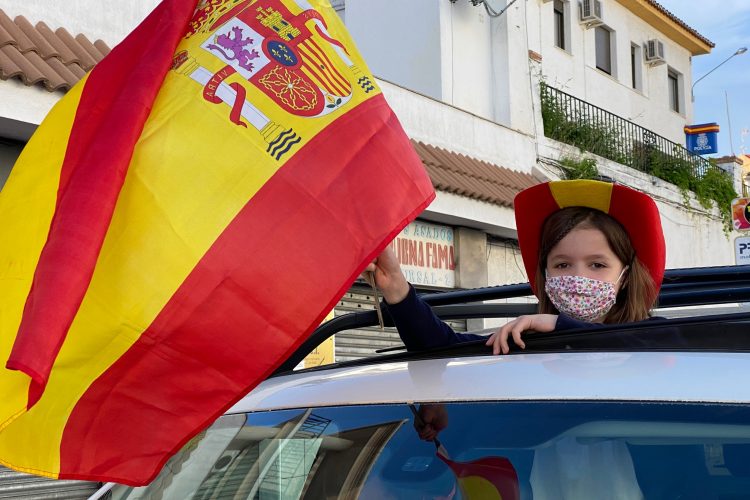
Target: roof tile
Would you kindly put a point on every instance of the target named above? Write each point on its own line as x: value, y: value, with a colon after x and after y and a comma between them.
x: 42, y: 46
x: 460, y: 174
x: 38, y: 55
x: 102, y: 47
x: 68, y: 77
x: 8, y: 69
x: 77, y: 70
x: 66, y: 55
x: 83, y: 56
x: 29, y: 73
x: 5, y: 37
x: 51, y: 79
x: 21, y: 40
x: 90, y: 48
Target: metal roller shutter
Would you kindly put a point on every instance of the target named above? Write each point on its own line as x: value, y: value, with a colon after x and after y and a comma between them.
x: 362, y: 343
x: 28, y: 487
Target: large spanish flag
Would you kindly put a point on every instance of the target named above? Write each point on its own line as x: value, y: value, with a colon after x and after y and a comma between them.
x: 180, y: 222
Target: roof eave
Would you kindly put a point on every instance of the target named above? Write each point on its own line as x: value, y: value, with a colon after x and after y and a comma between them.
x: 671, y: 26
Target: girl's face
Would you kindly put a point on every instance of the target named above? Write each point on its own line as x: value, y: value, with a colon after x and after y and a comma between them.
x: 585, y: 252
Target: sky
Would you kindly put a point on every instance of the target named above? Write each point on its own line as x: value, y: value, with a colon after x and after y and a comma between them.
x: 727, y: 24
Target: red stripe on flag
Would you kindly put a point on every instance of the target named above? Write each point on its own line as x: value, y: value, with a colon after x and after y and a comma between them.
x: 259, y: 291
x: 115, y: 103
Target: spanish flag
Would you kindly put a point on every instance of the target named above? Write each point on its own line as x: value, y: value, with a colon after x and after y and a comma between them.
x: 488, y: 478
x: 180, y: 222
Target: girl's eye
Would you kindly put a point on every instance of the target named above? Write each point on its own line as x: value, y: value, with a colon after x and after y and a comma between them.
x: 598, y: 265
x: 561, y: 265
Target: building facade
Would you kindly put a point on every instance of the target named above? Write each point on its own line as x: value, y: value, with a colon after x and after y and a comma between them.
x: 465, y: 80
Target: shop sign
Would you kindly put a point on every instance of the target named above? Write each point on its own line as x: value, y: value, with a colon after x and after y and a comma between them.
x: 426, y: 253
x: 742, y: 250
x: 323, y: 354
x: 702, y: 139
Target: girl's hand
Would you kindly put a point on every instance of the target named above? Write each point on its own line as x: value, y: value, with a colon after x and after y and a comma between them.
x: 434, y: 418
x: 536, y: 322
x: 388, y: 276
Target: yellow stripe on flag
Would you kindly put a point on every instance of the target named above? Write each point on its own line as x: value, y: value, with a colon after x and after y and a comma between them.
x: 478, y: 488
x: 31, y: 194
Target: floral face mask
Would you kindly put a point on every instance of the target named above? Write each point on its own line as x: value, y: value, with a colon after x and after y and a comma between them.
x: 586, y: 299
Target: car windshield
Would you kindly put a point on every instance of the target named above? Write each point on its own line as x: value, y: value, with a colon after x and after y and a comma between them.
x: 532, y: 449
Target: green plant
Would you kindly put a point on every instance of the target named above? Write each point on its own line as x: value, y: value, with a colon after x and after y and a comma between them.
x: 572, y: 124
x: 717, y: 186
x: 573, y: 168
x: 671, y: 169
x: 580, y: 131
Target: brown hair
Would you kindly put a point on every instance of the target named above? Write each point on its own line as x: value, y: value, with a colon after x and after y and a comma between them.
x: 637, y: 293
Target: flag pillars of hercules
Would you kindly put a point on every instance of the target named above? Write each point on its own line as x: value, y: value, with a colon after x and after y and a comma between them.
x: 147, y: 280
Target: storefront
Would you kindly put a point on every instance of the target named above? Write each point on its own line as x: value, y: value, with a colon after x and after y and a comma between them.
x: 427, y: 255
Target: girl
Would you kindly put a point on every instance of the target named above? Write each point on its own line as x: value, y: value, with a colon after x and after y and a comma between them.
x: 594, y: 253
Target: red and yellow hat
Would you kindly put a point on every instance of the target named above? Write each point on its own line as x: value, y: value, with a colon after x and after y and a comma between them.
x: 636, y: 211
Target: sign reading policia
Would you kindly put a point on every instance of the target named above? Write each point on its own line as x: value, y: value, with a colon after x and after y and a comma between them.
x: 702, y: 139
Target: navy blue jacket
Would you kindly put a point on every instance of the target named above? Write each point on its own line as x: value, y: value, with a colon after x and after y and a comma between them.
x: 421, y: 329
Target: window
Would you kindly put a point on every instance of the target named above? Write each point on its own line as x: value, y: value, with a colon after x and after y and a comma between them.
x: 604, y: 49
x: 673, y: 82
x: 559, y: 9
x: 636, y: 67
x: 555, y: 449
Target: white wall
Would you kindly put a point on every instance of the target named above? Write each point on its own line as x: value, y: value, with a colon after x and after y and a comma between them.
x: 401, y: 41
x: 455, y: 52
x: 574, y: 70
x: 22, y: 108
x: 470, y: 86
x: 449, y: 127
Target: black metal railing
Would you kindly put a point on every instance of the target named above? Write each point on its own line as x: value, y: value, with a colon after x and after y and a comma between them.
x: 574, y: 121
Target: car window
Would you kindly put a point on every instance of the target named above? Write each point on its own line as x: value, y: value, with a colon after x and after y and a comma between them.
x: 529, y: 449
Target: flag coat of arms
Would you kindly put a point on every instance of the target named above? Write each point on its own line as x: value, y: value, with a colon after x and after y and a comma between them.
x: 180, y: 222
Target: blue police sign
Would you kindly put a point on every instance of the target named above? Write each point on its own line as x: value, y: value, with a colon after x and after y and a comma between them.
x: 702, y: 139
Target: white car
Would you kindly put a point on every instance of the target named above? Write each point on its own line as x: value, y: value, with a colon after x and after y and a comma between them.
x: 659, y: 409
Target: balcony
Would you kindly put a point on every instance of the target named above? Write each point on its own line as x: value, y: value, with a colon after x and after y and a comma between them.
x: 590, y: 128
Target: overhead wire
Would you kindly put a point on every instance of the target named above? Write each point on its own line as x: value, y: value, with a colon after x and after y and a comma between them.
x: 490, y: 11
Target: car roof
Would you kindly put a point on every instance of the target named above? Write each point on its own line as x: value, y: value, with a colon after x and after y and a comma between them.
x: 612, y: 376
x: 699, y: 358
x: 705, y: 299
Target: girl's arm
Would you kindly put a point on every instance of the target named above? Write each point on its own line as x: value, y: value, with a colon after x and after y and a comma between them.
x: 420, y: 328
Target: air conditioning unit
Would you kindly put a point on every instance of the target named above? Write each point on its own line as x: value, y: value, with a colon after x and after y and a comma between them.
x: 591, y: 13
x: 655, y: 52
